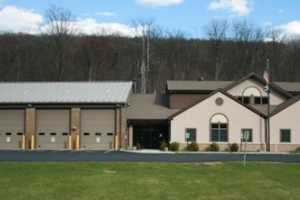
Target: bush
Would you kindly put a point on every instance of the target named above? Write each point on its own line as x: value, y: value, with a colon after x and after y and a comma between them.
x: 163, y: 146
x: 233, y: 147
x: 138, y: 146
x: 213, y: 147
x: 297, y: 150
x: 192, y: 147
x: 174, y: 146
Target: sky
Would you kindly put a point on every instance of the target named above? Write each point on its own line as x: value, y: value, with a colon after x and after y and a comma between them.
x: 116, y: 16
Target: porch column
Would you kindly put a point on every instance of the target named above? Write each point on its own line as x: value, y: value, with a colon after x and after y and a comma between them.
x: 75, y: 128
x: 30, y: 125
x: 130, y: 136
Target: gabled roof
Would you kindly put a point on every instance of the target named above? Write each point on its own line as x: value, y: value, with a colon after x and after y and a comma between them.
x: 259, y: 79
x: 64, y: 92
x: 285, y: 105
x: 224, y: 93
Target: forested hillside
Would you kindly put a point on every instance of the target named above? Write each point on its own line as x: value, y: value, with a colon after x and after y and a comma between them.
x: 70, y: 57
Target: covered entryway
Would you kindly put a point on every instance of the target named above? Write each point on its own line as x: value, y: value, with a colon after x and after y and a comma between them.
x: 97, y: 129
x: 149, y: 134
x: 53, y: 127
x: 11, y: 129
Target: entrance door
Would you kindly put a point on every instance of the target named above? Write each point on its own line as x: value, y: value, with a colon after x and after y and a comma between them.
x: 150, y: 136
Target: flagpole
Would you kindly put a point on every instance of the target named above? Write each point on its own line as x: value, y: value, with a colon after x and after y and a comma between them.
x: 268, y: 107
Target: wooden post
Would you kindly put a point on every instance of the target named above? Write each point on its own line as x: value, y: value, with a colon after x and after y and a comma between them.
x: 23, y: 142
x: 70, y: 142
x: 77, y: 142
x: 32, y: 142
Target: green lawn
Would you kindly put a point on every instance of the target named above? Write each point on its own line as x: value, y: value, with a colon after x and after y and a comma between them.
x: 141, y: 181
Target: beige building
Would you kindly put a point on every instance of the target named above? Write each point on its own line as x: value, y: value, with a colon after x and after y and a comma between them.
x: 239, y: 108
x: 108, y: 115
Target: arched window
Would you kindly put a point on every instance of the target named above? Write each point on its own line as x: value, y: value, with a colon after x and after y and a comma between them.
x: 219, y: 128
x: 252, y: 95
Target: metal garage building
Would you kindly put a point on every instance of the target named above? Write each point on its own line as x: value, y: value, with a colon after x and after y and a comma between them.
x: 62, y: 115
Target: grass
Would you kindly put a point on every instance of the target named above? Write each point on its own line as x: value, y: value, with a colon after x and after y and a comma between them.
x: 143, y: 181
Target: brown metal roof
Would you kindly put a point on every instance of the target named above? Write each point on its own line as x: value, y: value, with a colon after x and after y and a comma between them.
x: 148, y: 106
x: 196, y: 85
x: 280, y: 87
x: 285, y: 105
x: 289, y: 86
x: 264, y: 108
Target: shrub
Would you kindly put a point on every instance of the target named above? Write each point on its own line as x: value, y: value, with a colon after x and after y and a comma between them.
x: 213, y: 147
x: 174, y: 146
x: 297, y: 150
x: 163, y: 146
x: 233, y: 147
x: 192, y: 147
x: 138, y: 146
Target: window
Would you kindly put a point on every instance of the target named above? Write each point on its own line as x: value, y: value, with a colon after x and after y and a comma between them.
x: 246, y: 100
x: 110, y: 134
x: 98, y: 134
x: 257, y: 100
x: 41, y: 134
x: 285, y: 135
x: 8, y: 134
x: 219, y: 132
x: 52, y: 134
x: 19, y: 133
x: 265, y: 100
x: 246, y: 135
x: 65, y: 134
x: 86, y: 134
x: 190, y: 135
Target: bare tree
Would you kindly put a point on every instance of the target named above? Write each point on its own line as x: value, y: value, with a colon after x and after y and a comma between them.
x: 144, y: 29
x: 217, y: 34
x: 60, y: 27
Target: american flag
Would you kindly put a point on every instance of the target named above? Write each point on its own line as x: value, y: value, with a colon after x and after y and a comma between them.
x: 267, y: 77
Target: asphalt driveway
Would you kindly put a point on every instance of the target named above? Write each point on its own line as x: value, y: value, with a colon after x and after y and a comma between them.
x: 138, y: 157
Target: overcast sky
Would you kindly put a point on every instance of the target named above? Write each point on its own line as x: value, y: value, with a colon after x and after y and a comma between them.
x: 190, y: 16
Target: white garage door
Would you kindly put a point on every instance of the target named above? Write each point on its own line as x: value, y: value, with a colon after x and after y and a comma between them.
x: 97, y: 129
x: 53, y: 127
x: 12, y: 123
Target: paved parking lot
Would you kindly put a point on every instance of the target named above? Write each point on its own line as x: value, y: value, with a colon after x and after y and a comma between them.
x: 138, y: 157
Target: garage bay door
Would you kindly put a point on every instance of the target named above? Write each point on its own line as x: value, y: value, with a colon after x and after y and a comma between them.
x: 97, y: 129
x: 11, y: 128
x: 53, y: 127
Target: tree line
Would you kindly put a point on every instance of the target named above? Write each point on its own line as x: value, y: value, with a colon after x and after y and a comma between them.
x: 228, y: 52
